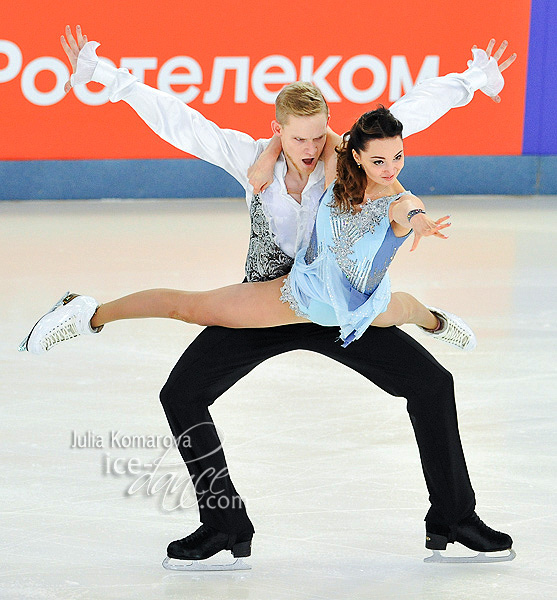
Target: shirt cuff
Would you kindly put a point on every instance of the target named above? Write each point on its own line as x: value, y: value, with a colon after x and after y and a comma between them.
x: 104, y: 73
x: 119, y: 82
x: 86, y: 63
x: 475, y: 77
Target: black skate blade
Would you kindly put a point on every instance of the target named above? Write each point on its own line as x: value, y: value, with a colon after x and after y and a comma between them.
x: 481, y: 557
x: 200, y: 565
x: 23, y: 346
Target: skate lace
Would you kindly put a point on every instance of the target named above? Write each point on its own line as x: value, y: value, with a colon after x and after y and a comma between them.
x: 455, y: 334
x: 65, y: 331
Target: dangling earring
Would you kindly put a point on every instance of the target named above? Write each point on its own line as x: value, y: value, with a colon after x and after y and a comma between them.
x: 359, y: 165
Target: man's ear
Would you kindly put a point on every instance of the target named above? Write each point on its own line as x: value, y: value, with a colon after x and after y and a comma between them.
x: 276, y: 128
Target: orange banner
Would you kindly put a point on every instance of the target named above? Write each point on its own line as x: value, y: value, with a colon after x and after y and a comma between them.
x: 228, y: 60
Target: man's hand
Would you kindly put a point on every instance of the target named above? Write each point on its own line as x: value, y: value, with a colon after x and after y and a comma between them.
x: 72, y: 49
x: 483, y: 61
x: 423, y: 226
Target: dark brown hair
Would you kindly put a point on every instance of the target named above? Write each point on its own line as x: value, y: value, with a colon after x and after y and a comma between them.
x: 351, y: 181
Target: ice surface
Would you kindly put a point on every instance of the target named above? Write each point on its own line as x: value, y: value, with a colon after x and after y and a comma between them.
x: 335, y: 489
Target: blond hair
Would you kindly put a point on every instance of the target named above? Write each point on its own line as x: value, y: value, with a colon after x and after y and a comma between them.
x: 299, y: 99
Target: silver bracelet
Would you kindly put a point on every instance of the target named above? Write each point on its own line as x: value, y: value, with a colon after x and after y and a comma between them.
x: 415, y: 212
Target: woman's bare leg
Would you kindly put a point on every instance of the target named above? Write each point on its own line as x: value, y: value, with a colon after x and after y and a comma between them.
x: 241, y: 305
x: 404, y: 308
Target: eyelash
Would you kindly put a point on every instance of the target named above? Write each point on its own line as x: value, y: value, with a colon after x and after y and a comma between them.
x: 303, y: 140
x: 380, y: 162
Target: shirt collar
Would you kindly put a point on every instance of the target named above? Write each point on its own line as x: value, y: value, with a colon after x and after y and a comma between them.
x: 315, y: 177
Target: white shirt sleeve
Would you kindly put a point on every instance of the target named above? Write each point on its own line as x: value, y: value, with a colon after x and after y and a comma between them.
x: 432, y: 98
x: 177, y: 123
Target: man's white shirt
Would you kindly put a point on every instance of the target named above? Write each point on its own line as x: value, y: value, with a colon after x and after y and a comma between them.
x: 185, y: 128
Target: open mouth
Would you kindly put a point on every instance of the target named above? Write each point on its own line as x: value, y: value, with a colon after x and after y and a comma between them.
x: 308, y: 161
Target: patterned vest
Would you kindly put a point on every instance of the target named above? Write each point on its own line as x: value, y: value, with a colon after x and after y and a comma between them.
x: 265, y: 259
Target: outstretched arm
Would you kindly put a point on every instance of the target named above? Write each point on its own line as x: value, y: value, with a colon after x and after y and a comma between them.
x: 409, y: 213
x: 169, y: 117
x: 432, y: 98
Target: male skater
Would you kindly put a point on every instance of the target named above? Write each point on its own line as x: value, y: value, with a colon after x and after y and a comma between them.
x: 219, y: 357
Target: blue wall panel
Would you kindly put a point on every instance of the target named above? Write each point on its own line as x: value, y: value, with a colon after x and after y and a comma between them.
x: 75, y: 179
x: 540, y: 119
x: 425, y: 175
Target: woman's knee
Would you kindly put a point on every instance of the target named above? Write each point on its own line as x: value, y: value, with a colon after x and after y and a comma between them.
x: 194, y: 307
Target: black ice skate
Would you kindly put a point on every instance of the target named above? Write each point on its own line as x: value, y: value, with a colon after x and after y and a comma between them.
x: 204, y: 543
x: 473, y: 533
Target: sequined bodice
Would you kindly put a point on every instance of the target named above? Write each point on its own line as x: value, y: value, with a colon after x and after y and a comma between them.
x: 363, y: 242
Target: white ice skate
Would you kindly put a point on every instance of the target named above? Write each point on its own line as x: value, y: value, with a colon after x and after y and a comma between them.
x: 68, y: 318
x: 453, y: 330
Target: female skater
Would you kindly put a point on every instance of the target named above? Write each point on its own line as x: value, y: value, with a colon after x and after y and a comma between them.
x: 340, y: 279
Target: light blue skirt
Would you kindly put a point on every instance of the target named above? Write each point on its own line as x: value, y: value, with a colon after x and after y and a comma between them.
x: 322, y: 293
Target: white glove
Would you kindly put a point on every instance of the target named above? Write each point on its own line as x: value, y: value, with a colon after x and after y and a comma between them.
x: 490, y: 67
x: 87, y: 60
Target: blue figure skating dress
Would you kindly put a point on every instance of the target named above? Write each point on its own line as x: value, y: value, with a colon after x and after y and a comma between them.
x: 341, y: 277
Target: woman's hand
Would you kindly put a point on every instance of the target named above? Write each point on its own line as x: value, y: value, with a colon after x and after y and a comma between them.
x: 423, y: 226
x: 262, y: 172
x: 72, y: 49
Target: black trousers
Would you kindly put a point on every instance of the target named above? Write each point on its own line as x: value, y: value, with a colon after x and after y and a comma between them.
x: 388, y: 357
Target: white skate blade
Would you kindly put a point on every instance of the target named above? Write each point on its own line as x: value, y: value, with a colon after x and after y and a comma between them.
x: 23, y: 346
x: 481, y: 557
x: 199, y: 565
